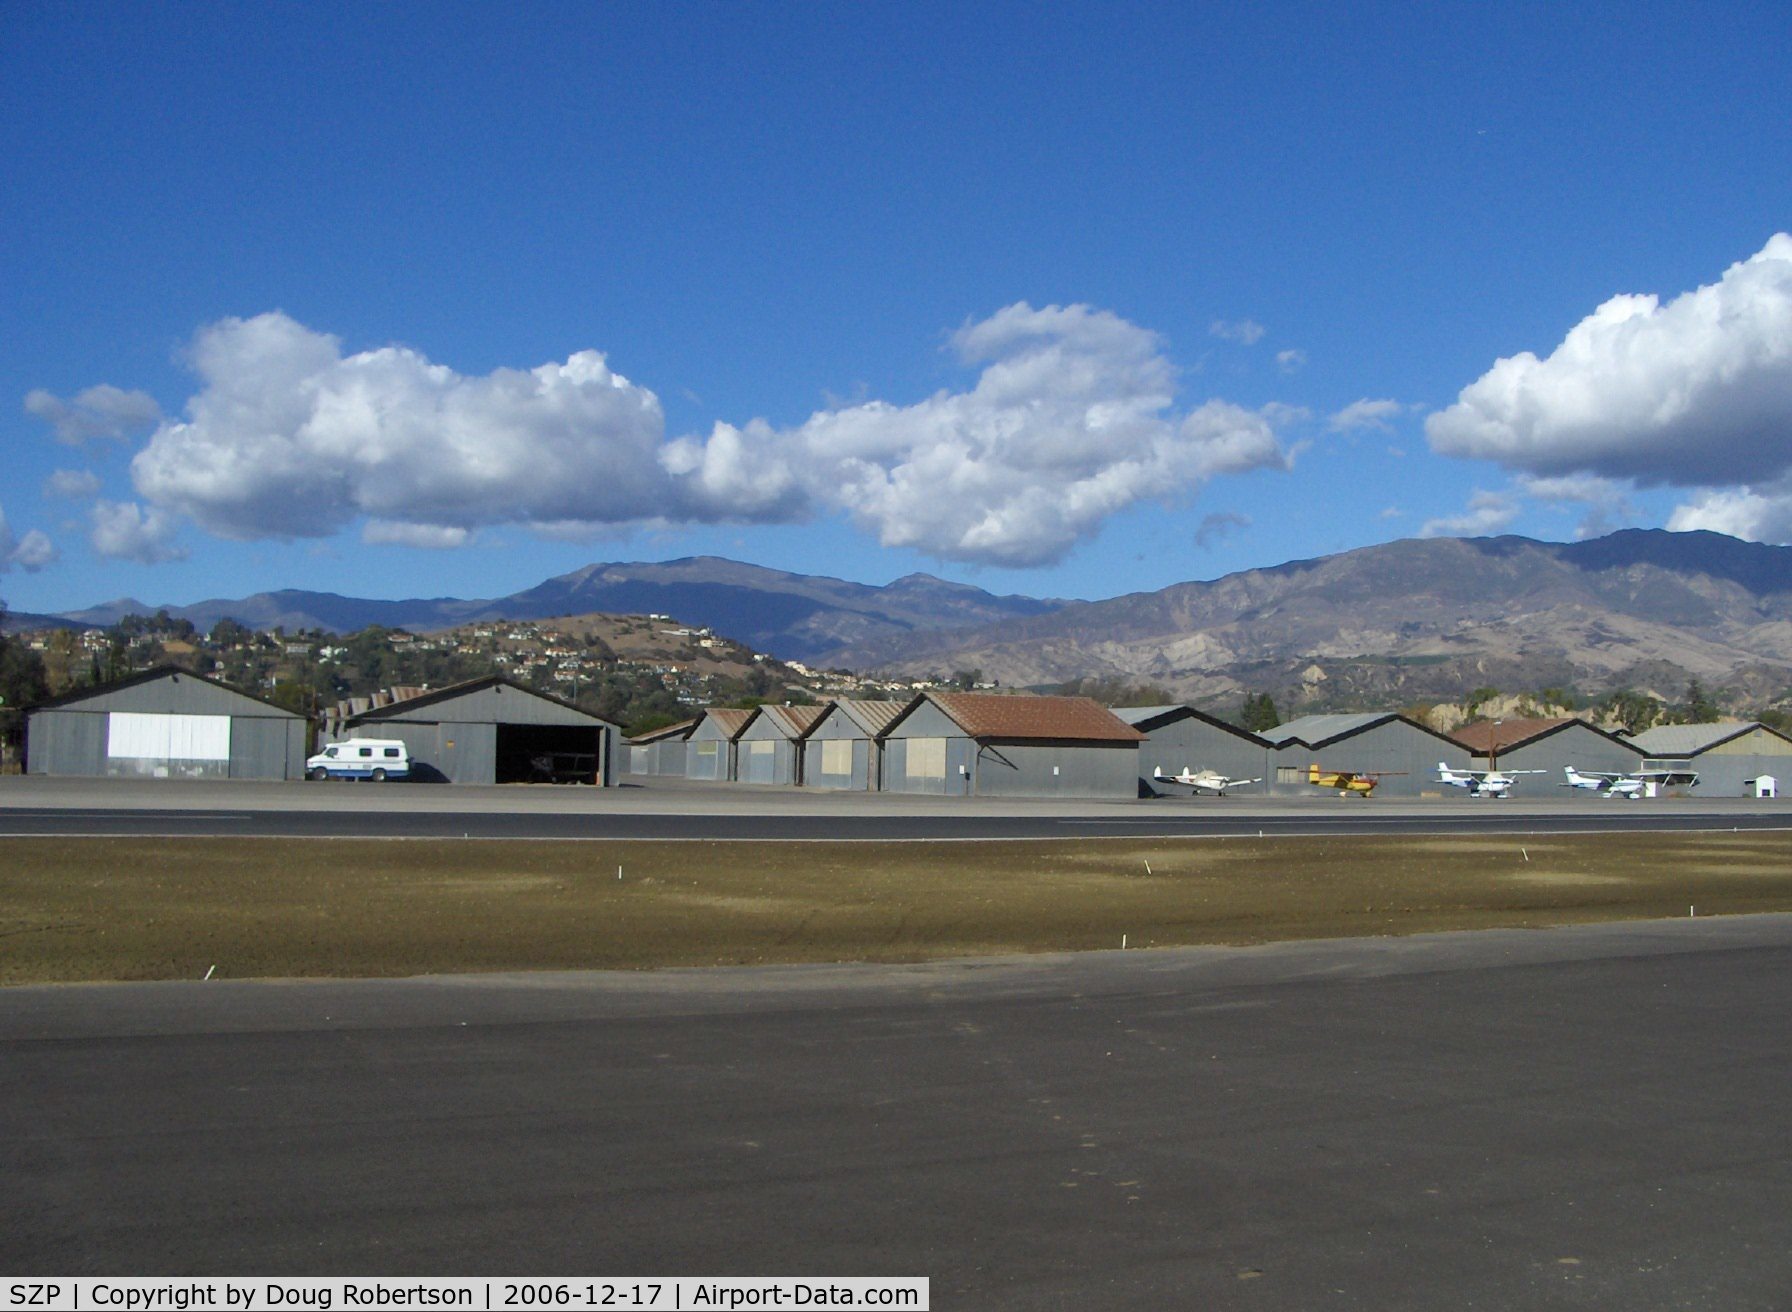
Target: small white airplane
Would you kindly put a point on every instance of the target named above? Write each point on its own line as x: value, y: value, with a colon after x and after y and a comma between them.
x: 1211, y: 782
x: 1617, y: 783
x: 1482, y: 783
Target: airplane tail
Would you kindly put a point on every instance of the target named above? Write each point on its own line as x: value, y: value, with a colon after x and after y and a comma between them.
x: 1313, y: 772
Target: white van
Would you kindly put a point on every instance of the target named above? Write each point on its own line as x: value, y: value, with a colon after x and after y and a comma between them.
x: 377, y: 759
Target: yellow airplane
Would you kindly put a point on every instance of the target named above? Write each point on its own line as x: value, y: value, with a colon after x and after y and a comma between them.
x: 1360, y: 782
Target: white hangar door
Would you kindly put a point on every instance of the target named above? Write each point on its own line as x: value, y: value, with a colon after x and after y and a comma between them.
x: 168, y: 746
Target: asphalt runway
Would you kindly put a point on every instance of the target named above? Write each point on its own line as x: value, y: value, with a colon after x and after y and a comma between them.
x: 678, y: 810
x: 1577, y: 1118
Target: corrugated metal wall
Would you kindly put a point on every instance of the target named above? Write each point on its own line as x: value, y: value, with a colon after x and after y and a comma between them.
x: 1192, y: 744
x: 764, y: 755
x: 1057, y: 770
x: 939, y: 766
x: 455, y: 739
x: 1390, y: 747
x: 666, y: 757
x: 265, y: 742
x: 1727, y: 776
x: 708, y: 755
x: 859, y: 752
x: 1577, y: 746
x: 65, y: 742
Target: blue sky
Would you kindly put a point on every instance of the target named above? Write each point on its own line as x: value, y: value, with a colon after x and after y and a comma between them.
x: 420, y: 300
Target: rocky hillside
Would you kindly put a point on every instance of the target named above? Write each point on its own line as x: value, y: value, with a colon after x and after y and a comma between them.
x: 1417, y: 619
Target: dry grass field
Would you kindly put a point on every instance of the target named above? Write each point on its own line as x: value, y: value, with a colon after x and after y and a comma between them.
x: 126, y: 909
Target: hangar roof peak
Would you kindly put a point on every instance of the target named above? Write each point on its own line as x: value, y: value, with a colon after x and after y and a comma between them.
x: 173, y: 672
x: 495, y: 682
x: 1691, y: 739
x: 1022, y: 716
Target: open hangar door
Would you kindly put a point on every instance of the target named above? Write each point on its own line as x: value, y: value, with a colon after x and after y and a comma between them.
x: 549, y: 753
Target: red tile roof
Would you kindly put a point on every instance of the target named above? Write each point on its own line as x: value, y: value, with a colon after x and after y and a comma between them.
x: 1485, y: 736
x: 993, y: 715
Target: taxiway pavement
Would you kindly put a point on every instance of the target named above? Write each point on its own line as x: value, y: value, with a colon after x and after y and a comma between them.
x: 676, y: 809
x: 1571, y: 1118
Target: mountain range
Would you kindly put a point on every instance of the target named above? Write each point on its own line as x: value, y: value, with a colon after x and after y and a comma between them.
x: 793, y: 616
x: 1379, y: 625
x: 1419, y: 619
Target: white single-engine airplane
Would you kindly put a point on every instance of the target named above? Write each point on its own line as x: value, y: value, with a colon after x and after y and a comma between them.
x: 1482, y: 783
x: 1617, y: 783
x: 1211, y: 782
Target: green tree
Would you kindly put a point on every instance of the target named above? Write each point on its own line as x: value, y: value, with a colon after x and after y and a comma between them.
x: 1636, y: 711
x: 229, y: 633
x: 1115, y: 691
x: 1700, y: 709
x: 1258, y: 712
x: 23, y: 683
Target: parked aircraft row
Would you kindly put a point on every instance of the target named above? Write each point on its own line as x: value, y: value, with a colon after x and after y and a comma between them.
x: 1478, y: 783
x: 1615, y: 783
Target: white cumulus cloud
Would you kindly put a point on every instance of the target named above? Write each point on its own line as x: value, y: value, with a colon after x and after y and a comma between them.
x: 72, y: 484
x: 1070, y: 421
x: 102, y: 411
x: 1488, y: 512
x: 1696, y: 392
x: 1366, y: 414
x: 1606, y: 503
x: 291, y: 438
x: 1760, y: 515
x: 123, y: 530
x: 433, y: 537
x: 30, y: 553
x: 1071, y: 418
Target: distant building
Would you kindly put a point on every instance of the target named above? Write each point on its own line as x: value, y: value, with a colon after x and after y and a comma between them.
x: 1549, y: 745
x: 768, y: 747
x: 1726, y: 757
x: 1404, y: 752
x: 493, y: 731
x: 841, y: 749
x: 661, y: 752
x: 987, y: 745
x: 1179, y: 738
x: 165, y: 723
x: 709, y: 752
